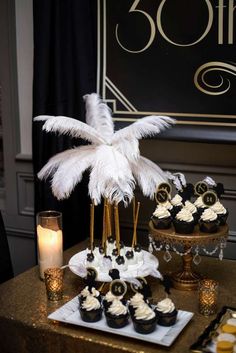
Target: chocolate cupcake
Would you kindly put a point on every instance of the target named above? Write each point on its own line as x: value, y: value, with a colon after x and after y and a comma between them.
x: 208, y: 222
x: 117, y: 315
x: 144, y: 319
x: 221, y: 212
x: 166, y: 313
x: 177, y: 202
x: 161, y: 218
x: 90, y: 309
x: 184, y: 222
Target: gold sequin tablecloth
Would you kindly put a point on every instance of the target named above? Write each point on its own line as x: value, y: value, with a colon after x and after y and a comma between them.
x: 24, y: 308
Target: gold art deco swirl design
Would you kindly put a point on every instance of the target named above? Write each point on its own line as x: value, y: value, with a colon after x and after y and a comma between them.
x: 201, y: 78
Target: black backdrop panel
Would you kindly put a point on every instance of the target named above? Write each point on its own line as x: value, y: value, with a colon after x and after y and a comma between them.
x: 170, y: 57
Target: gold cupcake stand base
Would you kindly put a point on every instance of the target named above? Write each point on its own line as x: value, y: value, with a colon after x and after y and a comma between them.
x: 187, y: 278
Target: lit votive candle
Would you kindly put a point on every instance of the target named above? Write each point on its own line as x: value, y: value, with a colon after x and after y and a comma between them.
x: 49, y: 240
x: 207, y: 290
x: 54, y: 283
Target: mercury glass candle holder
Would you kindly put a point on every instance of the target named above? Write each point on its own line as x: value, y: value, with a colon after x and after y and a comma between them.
x: 208, y: 291
x: 49, y: 240
x: 53, y: 278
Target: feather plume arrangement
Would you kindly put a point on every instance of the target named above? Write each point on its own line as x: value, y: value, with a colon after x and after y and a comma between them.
x: 113, y: 158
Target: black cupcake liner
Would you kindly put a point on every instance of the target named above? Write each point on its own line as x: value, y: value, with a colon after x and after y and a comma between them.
x: 183, y: 227
x: 144, y: 326
x: 117, y: 321
x: 208, y: 227
x: 161, y: 223
x: 92, y: 315
x: 166, y: 319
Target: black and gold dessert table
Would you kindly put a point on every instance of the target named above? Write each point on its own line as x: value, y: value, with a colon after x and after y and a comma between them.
x: 24, y: 308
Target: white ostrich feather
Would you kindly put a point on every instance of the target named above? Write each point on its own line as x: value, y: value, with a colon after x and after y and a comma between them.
x: 126, y: 139
x: 148, y: 126
x: 210, y: 181
x: 113, y: 158
x: 178, y: 179
x: 53, y: 163
x: 98, y: 115
x: 70, y: 171
x: 148, y: 175
x: 182, y: 178
x: 69, y: 126
x: 128, y: 147
x: 111, y: 176
x: 175, y: 180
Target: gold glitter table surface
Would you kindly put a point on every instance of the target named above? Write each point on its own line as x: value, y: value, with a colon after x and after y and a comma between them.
x: 24, y: 308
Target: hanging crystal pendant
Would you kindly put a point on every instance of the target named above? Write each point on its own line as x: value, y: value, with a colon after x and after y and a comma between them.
x: 150, y: 248
x: 221, y: 255
x: 167, y: 256
x: 197, y: 259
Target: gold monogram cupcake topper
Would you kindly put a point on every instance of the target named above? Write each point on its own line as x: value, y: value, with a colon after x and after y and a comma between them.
x: 209, y: 198
x: 165, y: 186
x: 136, y: 288
x: 200, y: 188
x: 161, y: 196
x: 118, y: 287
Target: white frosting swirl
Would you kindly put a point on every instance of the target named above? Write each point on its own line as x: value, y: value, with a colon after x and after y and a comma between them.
x: 167, y: 205
x: 208, y: 215
x: 165, y: 306
x: 199, y: 203
x: 177, y: 200
x: 161, y: 212
x: 109, y: 297
x: 91, y: 303
x: 144, y: 312
x: 184, y: 215
x: 190, y: 207
x: 117, y: 308
x: 137, y: 300
x: 85, y: 292
x: 218, y: 208
x: 95, y: 292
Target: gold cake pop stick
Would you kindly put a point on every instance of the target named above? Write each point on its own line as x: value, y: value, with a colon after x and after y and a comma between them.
x: 104, y: 226
x: 91, y: 226
x: 117, y: 228
x: 134, y: 241
x: 134, y: 204
x: 108, y: 213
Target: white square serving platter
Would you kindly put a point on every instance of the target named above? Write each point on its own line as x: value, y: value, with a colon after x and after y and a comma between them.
x: 69, y: 313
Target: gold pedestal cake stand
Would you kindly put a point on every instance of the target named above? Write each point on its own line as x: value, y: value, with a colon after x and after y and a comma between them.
x: 187, y: 278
